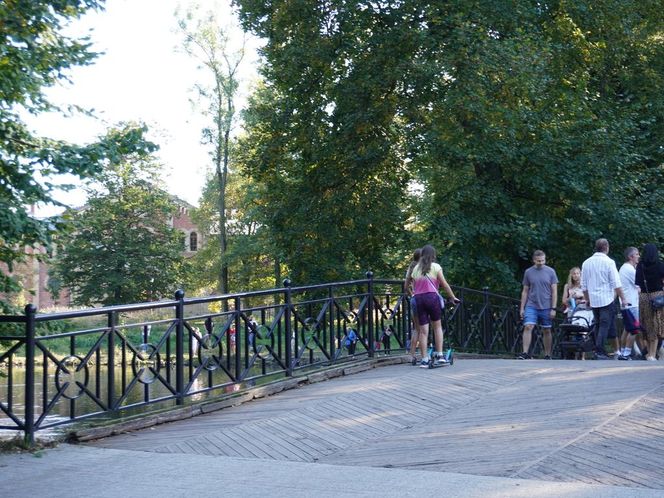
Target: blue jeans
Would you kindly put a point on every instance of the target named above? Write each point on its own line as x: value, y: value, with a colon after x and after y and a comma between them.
x: 605, y: 325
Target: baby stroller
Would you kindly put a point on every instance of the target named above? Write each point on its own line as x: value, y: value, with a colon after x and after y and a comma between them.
x: 577, y: 334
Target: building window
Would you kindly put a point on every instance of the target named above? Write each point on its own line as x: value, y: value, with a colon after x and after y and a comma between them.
x: 193, y: 241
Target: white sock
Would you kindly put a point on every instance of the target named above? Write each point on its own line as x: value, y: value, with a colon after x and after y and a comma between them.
x: 627, y: 352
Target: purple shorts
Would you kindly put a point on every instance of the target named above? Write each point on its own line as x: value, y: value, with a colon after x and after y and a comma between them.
x: 428, y: 307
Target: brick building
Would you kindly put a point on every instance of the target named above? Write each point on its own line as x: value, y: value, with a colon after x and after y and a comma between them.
x: 34, y: 273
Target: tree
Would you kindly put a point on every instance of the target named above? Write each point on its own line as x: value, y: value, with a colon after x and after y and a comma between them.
x: 34, y: 54
x: 324, y: 141
x: 541, y: 136
x: 209, y: 43
x: 122, y: 248
x: 523, y: 125
x: 249, y: 252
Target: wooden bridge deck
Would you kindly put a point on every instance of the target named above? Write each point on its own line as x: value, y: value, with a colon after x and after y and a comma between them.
x: 592, y: 422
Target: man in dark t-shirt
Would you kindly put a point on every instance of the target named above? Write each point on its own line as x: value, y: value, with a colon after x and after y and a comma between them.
x: 539, y: 298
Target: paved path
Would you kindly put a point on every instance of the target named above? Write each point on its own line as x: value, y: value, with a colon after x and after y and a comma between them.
x: 516, y: 428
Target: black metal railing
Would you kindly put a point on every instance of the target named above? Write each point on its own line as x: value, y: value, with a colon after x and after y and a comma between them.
x: 70, y: 366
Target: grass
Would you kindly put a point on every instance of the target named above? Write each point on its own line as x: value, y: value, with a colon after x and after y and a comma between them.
x: 18, y: 444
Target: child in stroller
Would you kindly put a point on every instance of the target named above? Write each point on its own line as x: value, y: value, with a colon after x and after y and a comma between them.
x: 578, y: 334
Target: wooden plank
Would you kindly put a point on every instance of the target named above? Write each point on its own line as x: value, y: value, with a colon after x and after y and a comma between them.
x: 261, y: 441
x: 316, y: 445
x: 560, y: 422
x: 243, y: 446
x: 281, y: 444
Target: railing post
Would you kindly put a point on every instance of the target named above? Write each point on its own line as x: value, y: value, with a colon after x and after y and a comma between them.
x: 111, y: 359
x: 179, y: 346
x: 29, y: 437
x: 239, y: 338
x: 331, y: 321
x: 289, y: 329
x: 486, y: 321
x: 370, y: 318
x: 461, y: 327
x: 406, y: 318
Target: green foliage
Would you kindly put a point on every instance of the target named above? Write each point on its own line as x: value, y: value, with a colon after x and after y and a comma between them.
x: 34, y: 54
x: 249, y: 249
x: 325, y: 152
x: 523, y: 126
x: 208, y: 42
x: 121, y: 248
x: 542, y: 139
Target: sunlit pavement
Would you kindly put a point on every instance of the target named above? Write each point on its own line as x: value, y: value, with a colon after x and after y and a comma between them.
x: 70, y: 471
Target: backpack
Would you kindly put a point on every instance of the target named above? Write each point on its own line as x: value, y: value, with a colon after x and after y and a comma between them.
x: 351, y: 338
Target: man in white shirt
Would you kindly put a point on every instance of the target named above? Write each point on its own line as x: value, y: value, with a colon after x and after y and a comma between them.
x: 627, y: 274
x: 600, y: 283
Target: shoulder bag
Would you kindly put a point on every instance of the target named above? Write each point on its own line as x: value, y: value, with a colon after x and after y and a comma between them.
x: 656, y: 302
x: 441, y: 298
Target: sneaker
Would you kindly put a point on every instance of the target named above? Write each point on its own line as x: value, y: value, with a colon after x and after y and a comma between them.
x: 547, y: 357
x: 424, y: 363
x: 600, y: 356
x: 625, y: 358
x: 523, y: 356
x: 440, y: 359
x: 651, y: 358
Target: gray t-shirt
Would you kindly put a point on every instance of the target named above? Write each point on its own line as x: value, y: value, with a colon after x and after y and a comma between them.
x: 539, y: 284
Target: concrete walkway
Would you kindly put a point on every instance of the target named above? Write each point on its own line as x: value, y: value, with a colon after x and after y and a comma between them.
x: 72, y: 471
x: 498, y: 428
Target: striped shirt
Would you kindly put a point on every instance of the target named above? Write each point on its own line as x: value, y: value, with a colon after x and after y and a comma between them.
x: 599, y: 277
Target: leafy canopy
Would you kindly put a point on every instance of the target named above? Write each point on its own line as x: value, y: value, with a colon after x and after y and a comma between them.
x: 34, y: 55
x: 122, y: 248
x: 489, y: 129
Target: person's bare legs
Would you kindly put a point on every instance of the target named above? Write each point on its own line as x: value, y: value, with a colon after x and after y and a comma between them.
x: 424, y: 333
x: 616, y: 345
x: 527, y: 336
x: 629, y: 343
x: 415, y: 336
x: 438, y: 335
x: 548, y: 341
x: 652, y: 348
x: 414, y: 341
x: 624, y: 338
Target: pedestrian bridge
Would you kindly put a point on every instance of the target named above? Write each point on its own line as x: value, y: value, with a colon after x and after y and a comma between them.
x: 59, y: 368
x: 593, y: 422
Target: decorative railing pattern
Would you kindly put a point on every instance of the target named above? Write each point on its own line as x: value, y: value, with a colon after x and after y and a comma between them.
x: 70, y: 366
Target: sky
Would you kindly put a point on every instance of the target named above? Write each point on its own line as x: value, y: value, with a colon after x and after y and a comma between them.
x: 143, y: 75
